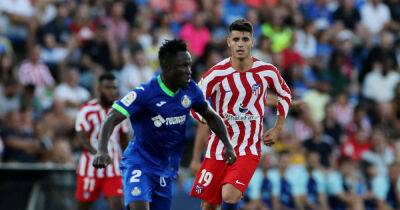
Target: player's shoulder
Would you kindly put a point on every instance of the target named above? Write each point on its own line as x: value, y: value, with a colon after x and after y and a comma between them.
x: 218, y: 68
x: 260, y: 65
x: 90, y: 106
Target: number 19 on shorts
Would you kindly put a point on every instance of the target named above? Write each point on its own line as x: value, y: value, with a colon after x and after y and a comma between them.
x: 205, y: 178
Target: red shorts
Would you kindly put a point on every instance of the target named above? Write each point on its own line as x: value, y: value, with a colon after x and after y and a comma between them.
x: 88, y: 189
x: 213, y: 174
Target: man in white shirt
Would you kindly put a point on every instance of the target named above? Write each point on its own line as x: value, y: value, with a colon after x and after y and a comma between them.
x: 71, y: 93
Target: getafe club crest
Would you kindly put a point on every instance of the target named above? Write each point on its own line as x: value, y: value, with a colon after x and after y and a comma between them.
x: 186, y: 102
x: 136, y: 191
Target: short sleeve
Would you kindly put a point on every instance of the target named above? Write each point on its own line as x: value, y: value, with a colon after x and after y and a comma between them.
x: 82, y: 122
x: 199, y: 99
x: 131, y: 103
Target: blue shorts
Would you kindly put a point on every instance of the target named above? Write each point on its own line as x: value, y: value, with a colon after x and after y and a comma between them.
x: 141, y: 186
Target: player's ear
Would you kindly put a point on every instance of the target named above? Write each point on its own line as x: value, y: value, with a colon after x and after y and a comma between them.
x: 228, y: 41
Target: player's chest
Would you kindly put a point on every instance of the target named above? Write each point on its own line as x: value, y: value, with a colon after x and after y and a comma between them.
x: 242, y: 86
x: 169, y: 111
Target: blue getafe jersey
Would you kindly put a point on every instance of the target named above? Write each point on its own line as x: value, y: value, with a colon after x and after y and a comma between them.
x: 158, y: 117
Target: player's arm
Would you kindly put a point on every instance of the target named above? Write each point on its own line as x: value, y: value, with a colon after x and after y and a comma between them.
x: 85, y: 143
x: 200, y: 142
x: 284, y: 97
x: 123, y: 140
x: 272, y: 100
x: 113, y: 119
x: 216, y: 124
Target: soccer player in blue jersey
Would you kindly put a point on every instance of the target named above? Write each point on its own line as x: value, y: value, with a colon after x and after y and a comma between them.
x: 158, y: 111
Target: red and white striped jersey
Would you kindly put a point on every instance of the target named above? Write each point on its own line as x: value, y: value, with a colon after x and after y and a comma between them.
x: 240, y: 98
x: 89, y: 120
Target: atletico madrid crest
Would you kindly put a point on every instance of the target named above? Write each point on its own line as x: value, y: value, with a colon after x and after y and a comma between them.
x: 199, y: 189
x: 256, y: 89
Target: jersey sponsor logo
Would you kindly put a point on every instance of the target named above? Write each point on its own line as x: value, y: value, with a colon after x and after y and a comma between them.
x: 159, y: 104
x: 186, y: 102
x: 243, y: 109
x: 159, y: 120
x: 136, y: 191
x: 129, y: 98
x: 256, y: 89
x: 240, y: 117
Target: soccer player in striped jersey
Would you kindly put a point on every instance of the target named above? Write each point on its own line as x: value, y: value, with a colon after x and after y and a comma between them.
x: 158, y: 111
x: 92, y: 181
x: 237, y: 89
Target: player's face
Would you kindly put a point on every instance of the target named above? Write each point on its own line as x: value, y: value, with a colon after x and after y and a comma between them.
x: 181, y: 69
x: 240, y: 43
x: 108, y: 90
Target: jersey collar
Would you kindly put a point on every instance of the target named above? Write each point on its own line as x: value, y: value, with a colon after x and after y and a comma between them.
x: 165, y: 88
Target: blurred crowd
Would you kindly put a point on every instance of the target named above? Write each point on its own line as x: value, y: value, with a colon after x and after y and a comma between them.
x: 341, y: 57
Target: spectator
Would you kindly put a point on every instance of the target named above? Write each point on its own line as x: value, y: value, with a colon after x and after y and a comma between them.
x: 196, y: 35
x: 21, y: 144
x: 33, y: 71
x: 321, y: 144
x: 9, y: 97
x: 136, y: 72
x: 381, y: 154
x: 347, y: 14
x: 117, y: 26
x: 70, y: 93
x: 374, y: 16
x: 316, y: 196
x: 380, y: 83
x: 377, y: 187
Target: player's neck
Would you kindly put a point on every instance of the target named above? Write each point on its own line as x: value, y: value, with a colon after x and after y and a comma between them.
x: 104, y: 104
x: 242, y: 64
x: 169, y: 85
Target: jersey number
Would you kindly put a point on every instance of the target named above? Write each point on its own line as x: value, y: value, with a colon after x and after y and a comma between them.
x: 205, y: 177
x: 88, y: 184
x: 135, y: 176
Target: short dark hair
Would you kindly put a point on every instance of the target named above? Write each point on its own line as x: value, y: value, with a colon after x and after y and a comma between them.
x: 241, y: 25
x: 106, y: 76
x: 170, y: 48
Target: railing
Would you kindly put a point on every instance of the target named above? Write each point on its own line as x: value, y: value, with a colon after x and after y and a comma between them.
x: 49, y: 186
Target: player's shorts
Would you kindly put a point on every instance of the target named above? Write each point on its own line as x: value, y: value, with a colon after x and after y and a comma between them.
x: 88, y: 188
x: 213, y: 174
x: 144, y: 186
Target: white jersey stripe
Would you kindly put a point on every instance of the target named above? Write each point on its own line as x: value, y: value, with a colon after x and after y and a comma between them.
x: 247, y: 124
x: 82, y: 165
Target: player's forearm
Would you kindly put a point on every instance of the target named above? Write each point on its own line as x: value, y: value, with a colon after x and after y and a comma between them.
x: 280, y: 121
x: 200, y: 141
x: 218, y: 127
x: 112, y: 120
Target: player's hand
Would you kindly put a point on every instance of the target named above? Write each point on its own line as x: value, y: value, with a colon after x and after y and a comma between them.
x: 195, y: 166
x: 230, y: 155
x: 101, y: 160
x: 270, y: 136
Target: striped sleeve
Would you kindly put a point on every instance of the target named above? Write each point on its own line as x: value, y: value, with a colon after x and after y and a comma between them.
x: 82, y: 123
x: 279, y: 86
